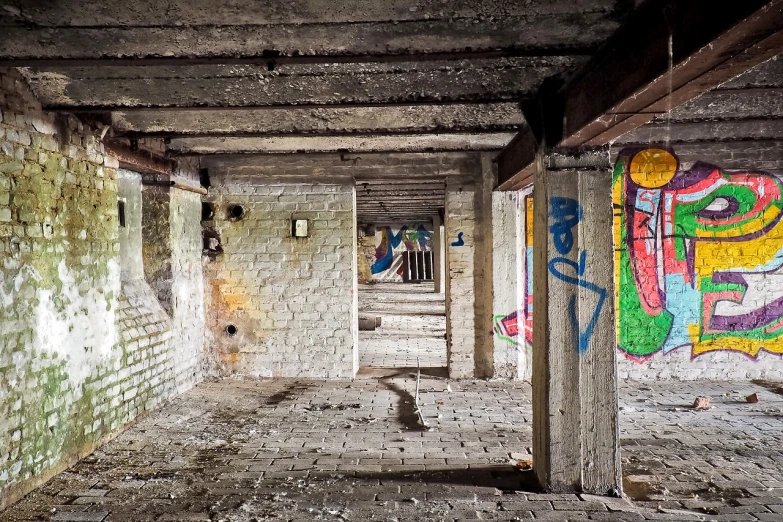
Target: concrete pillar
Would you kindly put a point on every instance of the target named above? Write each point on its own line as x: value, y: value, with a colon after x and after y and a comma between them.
x: 483, y: 269
x: 438, y: 261
x: 511, y: 350
x: 575, y: 429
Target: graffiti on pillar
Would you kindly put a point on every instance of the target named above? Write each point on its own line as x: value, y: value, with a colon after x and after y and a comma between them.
x: 507, y: 326
x: 699, y: 257
x: 565, y: 214
x: 459, y: 242
x: 382, y: 251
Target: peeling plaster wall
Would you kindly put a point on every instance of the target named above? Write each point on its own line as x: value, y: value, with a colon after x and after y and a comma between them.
x: 173, y: 268
x: 293, y: 300
x: 84, y: 345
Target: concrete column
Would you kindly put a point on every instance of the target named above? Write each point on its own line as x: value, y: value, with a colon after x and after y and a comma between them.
x: 508, y: 262
x: 575, y: 430
x: 483, y: 272
x: 438, y: 262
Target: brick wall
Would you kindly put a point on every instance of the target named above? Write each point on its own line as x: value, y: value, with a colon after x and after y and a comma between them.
x: 291, y: 299
x: 460, y: 225
x: 81, y: 353
x: 510, y: 346
x: 699, y: 261
x: 187, y: 288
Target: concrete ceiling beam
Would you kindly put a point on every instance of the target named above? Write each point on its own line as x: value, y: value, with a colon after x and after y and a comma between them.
x: 319, y: 120
x: 683, y: 132
x: 689, y: 48
x: 367, y: 143
x: 110, y: 89
x: 207, y: 13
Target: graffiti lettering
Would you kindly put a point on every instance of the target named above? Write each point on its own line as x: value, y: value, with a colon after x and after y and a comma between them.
x: 385, y: 265
x: 508, y: 327
x: 566, y: 213
x: 700, y: 253
x: 459, y: 242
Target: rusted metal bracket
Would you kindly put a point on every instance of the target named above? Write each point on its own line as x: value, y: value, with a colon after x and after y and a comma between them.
x: 140, y: 160
x: 145, y: 162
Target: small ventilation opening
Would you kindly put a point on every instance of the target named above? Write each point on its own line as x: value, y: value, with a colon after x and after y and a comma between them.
x: 203, y: 177
x: 121, y: 212
x: 236, y: 212
x: 212, y: 245
x: 207, y: 211
x: 231, y: 330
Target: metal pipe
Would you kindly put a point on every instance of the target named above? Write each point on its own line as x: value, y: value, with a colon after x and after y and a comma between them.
x: 177, y: 185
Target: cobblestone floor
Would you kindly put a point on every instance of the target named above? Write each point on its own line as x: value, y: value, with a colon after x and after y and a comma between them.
x: 306, y: 450
x: 413, y: 326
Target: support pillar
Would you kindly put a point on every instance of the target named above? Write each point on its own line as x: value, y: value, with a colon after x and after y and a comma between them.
x: 438, y: 264
x: 511, y: 350
x: 575, y: 414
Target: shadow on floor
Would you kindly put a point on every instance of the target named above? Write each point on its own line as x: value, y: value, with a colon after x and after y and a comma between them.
x: 406, y: 407
x: 287, y: 394
x: 502, y: 477
x: 386, y: 373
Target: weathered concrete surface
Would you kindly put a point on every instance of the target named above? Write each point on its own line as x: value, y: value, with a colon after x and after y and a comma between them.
x: 748, y: 108
x: 329, y: 84
x: 303, y: 450
x: 367, y: 143
x: 511, y: 352
x: 413, y: 326
x: 78, y: 13
x: 83, y: 29
x: 574, y: 369
x: 293, y: 120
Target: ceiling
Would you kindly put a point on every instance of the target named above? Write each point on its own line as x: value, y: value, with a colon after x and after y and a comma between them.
x: 243, y: 77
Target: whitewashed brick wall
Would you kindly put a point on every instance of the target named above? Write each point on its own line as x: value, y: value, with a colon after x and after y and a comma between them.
x: 460, y: 279
x: 292, y: 299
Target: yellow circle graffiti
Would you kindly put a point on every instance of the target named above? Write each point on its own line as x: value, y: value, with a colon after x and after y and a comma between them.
x: 653, y: 168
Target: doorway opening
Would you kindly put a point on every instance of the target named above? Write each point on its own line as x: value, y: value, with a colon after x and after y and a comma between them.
x: 401, y: 266
x: 402, y: 316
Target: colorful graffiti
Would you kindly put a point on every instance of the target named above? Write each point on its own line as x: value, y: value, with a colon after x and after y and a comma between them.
x: 507, y: 326
x: 698, y: 253
x: 460, y: 241
x: 384, y: 264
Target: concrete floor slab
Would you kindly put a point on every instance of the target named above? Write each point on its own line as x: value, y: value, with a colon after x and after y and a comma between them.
x: 355, y: 450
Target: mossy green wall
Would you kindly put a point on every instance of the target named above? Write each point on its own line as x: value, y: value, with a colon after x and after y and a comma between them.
x: 80, y: 353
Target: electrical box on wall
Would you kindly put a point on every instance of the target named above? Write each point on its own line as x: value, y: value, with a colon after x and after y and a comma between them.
x: 299, y: 228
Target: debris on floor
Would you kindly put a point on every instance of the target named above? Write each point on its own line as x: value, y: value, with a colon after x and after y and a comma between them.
x: 701, y: 403
x: 362, y: 460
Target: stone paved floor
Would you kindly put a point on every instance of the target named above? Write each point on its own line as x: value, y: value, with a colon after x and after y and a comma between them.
x: 413, y: 326
x: 305, y: 450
